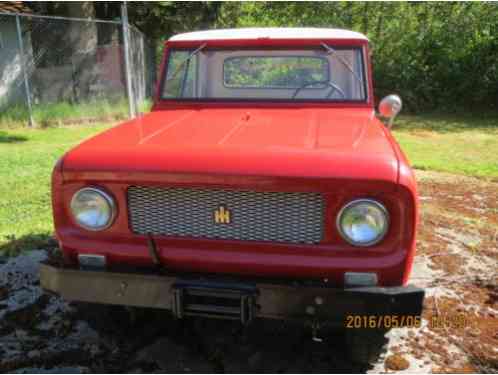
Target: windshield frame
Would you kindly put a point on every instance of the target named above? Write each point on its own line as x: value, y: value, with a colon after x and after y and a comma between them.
x: 361, y: 47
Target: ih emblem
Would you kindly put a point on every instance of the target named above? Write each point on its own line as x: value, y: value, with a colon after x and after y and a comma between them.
x: 222, y: 215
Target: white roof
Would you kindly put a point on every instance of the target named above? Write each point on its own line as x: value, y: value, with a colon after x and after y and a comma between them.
x: 269, y: 33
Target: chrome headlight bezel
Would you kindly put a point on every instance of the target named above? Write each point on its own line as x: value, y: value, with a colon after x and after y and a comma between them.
x: 106, y: 197
x: 356, y: 202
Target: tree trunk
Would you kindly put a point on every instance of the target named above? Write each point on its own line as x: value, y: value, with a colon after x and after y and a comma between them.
x: 83, y: 40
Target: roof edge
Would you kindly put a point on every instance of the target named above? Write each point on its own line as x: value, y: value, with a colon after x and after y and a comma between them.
x: 273, y: 33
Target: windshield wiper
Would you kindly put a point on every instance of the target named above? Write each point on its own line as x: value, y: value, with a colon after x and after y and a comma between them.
x: 195, y: 52
x: 332, y: 51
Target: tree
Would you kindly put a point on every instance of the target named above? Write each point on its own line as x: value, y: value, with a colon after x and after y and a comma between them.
x: 160, y: 20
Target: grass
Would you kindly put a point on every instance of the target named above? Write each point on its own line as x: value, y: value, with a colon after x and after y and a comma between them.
x: 65, y: 113
x: 27, y: 157
x: 464, y: 144
x: 460, y: 145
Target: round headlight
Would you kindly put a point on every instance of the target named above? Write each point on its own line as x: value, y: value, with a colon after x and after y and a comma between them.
x: 93, y: 209
x: 363, y: 222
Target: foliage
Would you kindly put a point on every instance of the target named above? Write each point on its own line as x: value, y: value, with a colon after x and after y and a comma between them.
x: 437, y: 56
x: 159, y: 20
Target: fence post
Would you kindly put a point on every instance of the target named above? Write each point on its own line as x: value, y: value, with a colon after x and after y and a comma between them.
x: 24, y: 70
x: 126, y: 45
x: 142, y: 68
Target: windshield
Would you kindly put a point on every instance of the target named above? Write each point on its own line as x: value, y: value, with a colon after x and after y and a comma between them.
x: 329, y: 73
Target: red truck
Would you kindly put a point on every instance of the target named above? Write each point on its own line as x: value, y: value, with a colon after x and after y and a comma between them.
x: 261, y: 184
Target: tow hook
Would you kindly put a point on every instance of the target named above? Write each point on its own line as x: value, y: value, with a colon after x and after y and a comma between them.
x: 315, y: 324
x: 315, y: 327
x: 151, y: 245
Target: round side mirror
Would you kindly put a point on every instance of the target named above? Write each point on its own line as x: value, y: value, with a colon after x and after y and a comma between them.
x: 389, y: 107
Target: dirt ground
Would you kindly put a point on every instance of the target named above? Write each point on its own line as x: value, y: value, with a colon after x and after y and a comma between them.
x: 457, y: 263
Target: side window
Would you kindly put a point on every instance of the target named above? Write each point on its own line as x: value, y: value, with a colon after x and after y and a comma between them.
x: 180, y: 75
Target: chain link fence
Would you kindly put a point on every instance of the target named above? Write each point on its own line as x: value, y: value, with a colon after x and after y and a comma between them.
x: 56, y: 70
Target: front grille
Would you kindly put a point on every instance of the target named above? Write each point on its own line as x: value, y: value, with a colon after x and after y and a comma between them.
x: 254, y: 216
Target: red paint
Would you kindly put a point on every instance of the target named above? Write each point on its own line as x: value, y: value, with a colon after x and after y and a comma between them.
x: 339, y: 149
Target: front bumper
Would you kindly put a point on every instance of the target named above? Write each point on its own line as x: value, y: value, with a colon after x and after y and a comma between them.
x: 232, y: 298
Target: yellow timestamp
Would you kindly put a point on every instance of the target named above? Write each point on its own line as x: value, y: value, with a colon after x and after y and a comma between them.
x: 383, y: 321
x: 457, y: 321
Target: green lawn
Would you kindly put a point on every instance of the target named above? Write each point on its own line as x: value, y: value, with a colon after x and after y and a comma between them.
x: 456, y: 145
x: 27, y: 157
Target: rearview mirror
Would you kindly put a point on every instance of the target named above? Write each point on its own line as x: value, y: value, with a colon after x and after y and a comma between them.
x: 389, y: 107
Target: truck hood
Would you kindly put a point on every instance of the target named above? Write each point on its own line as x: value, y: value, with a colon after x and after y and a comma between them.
x: 287, y: 142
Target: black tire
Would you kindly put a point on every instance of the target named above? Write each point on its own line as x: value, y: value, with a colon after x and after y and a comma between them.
x: 365, y: 345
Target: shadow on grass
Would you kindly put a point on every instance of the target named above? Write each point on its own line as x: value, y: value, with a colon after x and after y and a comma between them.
x: 9, y: 138
x: 448, y: 123
x: 15, y: 245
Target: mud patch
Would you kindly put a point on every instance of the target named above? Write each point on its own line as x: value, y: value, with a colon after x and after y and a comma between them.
x: 457, y: 263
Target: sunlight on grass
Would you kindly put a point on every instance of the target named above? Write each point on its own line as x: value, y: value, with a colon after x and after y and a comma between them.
x: 27, y: 157
x: 455, y: 144
x: 65, y: 113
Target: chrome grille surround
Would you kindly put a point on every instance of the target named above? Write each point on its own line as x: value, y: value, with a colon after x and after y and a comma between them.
x: 255, y: 216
